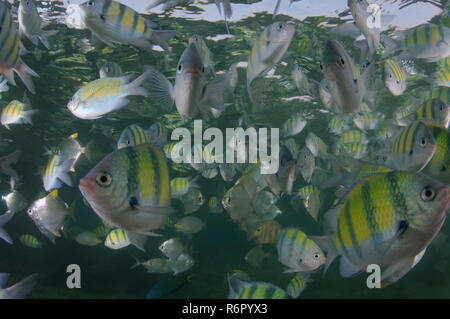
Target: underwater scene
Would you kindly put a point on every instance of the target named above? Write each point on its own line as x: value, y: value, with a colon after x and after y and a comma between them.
x: 240, y: 149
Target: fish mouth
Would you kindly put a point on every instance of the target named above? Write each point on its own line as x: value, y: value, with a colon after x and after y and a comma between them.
x: 192, y: 71
x: 85, y: 186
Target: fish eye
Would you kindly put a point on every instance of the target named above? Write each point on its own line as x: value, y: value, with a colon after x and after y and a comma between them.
x: 180, y: 67
x: 443, y: 168
x: 423, y: 141
x: 229, y: 200
x: 316, y: 256
x: 128, y: 142
x: 91, y: 3
x: 29, y: 211
x: 321, y: 67
x: 104, y: 179
x: 280, y: 26
x: 203, y: 69
x: 342, y: 62
x: 390, y: 76
x: 428, y: 193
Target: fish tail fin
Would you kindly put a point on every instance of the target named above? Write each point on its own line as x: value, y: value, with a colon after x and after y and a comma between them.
x: 9, y: 76
x: 64, y: 172
x: 136, y: 264
x: 134, y: 88
x: 6, y: 161
x: 27, y: 116
x: 5, y: 218
x: 87, y: 150
x: 4, y: 86
x: 44, y: 37
x: 161, y: 36
x: 138, y: 240
x: 325, y: 244
x: 24, y: 73
x: 22, y: 288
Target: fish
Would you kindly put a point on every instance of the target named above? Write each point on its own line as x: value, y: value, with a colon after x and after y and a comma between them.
x: 190, y: 93
x: 267, y: 232
x: 293, y: 126
x: 269, y: 49
x: 386, y: 219
x: 298, y: 252
x: 345, y: 83
x: 15, y: 202
x: 411, y: 150
x: 232, y: 283
x: 49, y: 214
x: 312, y: 204
x: 227, y: 171
x: 353, y: 136
x: 237, y: 203
x: 99, y: 97
x: 10, y: 44
x: 157, y: 133
x: 427, y: 41
x: 113, y: 22
x: 154, y: 265
x: 305, y: 191
x: 17, y: 112
x: 192, y: 201
x: 325, y: 95
x: 117, y: 239
x: 56, y: 171
x: 19, y: 290
x: 102, y: 231
x: 30, y: 24
x: 70, y: 148
x: 439, y: 165
x: 214, y: 205
x: 172, y: 248
x: 442, y: 77
x: 190, y: 225
x: 30, y: 241
x: 432, y: 111
x: 394, y: 77
x: 180, y: 186
x: 167, y: 286
x: 367, y: 121
x: 110, y: 70
x: 4, y: 219
x: 133, y: 135
x: 356, y: 150
x: 205, y: 54
x: 316, y: 145
x: 297, y: 284
x: 130, y: 189
x: 338, y: 124
x: 181, y: 264
x: 255, y: 290
x: 301, y: 80
x: 87, y: 239
x: 255, y: 256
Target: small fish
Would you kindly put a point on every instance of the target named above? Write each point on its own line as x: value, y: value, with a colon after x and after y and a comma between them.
x: 191, y: 94
x: 15, y: 201
x: 301, y: 80
x: 297, y: 284
x: 110, y: 70
x: 293, y: 126
x: 380, y: 221
x: 353, y: 136
x: 144, y: 204
x: 227, y: 171
x: 325, y: 95
x: 19, y: 290
x: 17, y: 113
x: 426, y: 41
x: 267, y: 232
x: 298, y: 252
x: 5, y: 218
x: 87, y: 239
x: 192, y: 201
x: 255, y: 256
x: 312, y: 204
x: 132, y: 135
x: 30, y: 24
x: 433, y: 111
x: 345, y: 84
x: 105, y: 95
x: 190, y: 225
x: 205, y: 54
x: 439, y: 165
x: 154, y: 265
x: 157, y: 133
x: 316, y: 145
x: 181, y: 264
x: 168, y: 286
x: 394, y: 77
x: 70, y: 148
x: 214, y: 205
x: 56, y: 170
x: 255, y: 290
x: 305, y: 191
x: 49, y: 214
x: 233, y: 281
x: 113, y: 22
x: 338, y: 124
x: 440, y: 92
x: 237, y: 203
x: 411, y: 150
x: 30, y: 241
x: 367, y: 121
x: 180, y: 186
x: 10, y: 44
x: 172, y: 248
x: 356, y: 150
x: 269, y: 49
x: 117, y: 239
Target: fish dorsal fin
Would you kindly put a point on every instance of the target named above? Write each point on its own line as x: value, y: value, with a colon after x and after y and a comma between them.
x: 53, y: 194
x: 74, y: 135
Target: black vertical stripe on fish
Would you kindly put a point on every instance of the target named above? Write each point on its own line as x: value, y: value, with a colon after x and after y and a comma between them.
x: 269, y: 292
x: 135, y: 21
x: 369, y: 210
x: 351, y: 230
x: 156, y: 169
x: 118, y: 25
x: 105, y: 8
x: 397, y: 197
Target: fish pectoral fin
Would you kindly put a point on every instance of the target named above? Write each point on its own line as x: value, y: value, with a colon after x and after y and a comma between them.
x: 214, y: 91
x: 347, y: 269
x: 138, y: 240
x: 95, y: 39
x: 396, y: 271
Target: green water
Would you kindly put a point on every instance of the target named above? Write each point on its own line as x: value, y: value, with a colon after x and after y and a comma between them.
x: 221, y: 246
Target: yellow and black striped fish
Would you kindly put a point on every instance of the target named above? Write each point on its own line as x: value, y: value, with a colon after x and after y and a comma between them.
x: 130, y: 189
x: 381, y: 221
x: 442, y: 77
x: 117, y: 239
x: 433, y: 111
x: 132, y: 135
x: 439, y: 166
x: 10, y: 59
x: 411, y: 150
x: 394, y: 77
x: 267, y: 232
x: 114, y: 22
x: 255, y: 290
x: 17, y: 112
x: 30, y: 241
